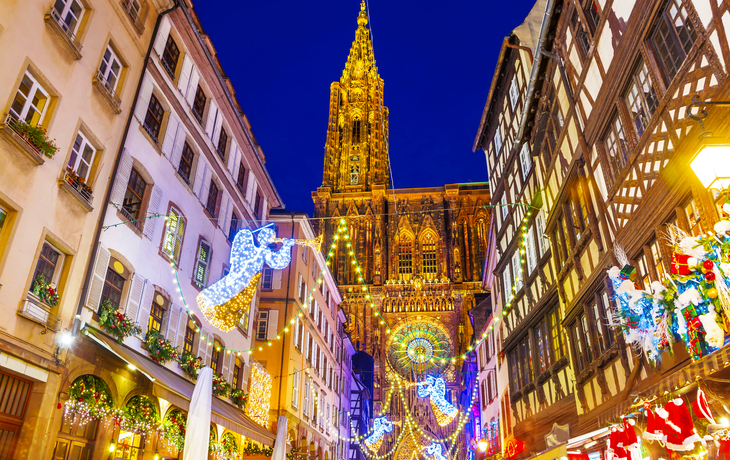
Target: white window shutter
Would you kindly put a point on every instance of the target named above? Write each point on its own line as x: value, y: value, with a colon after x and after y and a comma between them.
x: 184, y: 79
x: 178, y: 147
x: 271, y: 328
x: 192, y: 86
x: 232, y: 157
x: 200, y: 173
x: 152, y: 209
x: 262, y: 217
x: 97, y: 283
x: 209, y: 348
x: 202, y: 343
x: 143, y: 101
x: 144, y: 309
x: 182, y: 326
x: 173, y: 320
x: 277, y: 279
x: 206, y: 185
x: 226, y: 365
x: 228, y: 215
x: 170, y: 133
x: 250, y: 187
x: 212, y: 117
x: 217, y: 129
x: 135, y: 296
x: 162, y: 33
x: 120, y: 182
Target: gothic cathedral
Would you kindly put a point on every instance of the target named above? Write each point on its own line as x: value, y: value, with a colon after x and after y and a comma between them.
x: 421, y: 251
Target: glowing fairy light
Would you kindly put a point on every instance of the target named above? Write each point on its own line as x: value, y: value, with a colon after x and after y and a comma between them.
x: 435, y: 389
x: 435, y: 449
x: 381, y: 425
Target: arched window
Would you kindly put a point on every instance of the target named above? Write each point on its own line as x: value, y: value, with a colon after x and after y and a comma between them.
x: 130, y: 442
x: 405, y: 257
x: 354, y: 174
x: 172, y: 435
x: 356, y: 131
x: 428, y: 256
x: 216, y: 357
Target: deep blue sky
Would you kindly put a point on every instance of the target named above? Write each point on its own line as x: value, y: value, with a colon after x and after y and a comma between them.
x: 437, y: 59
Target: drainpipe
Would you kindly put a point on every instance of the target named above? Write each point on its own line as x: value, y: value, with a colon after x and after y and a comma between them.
x: 112, y: 178
x: 286, y: 312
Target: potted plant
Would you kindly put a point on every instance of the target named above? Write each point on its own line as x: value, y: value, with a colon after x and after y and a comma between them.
x: 220, y: 386
x: 36, y: 136
x: 239, y: 398
x: 190, y: 365
x: 45, y: 291
x: 113, y: 322
x: 160, y: 349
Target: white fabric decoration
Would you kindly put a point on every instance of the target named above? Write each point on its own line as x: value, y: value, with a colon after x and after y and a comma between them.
x: 197, y: 431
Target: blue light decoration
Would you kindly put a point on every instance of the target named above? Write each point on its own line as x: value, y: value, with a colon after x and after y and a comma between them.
x: 435, y: 449
x: 435, y: 389
x: 224, y: 302
x: 381, y: 425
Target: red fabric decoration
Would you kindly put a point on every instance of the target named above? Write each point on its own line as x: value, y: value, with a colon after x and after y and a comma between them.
x: 681, y: 434
x: 679, y: 264
x: 701, y: 407
x: 615, y: 450
x: 654, y: 425
x: 631, y: 441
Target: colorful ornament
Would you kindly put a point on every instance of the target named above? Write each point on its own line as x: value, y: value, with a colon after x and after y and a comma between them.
x: 708, y: 265
x: 680, y: 265
x: 710, y: 277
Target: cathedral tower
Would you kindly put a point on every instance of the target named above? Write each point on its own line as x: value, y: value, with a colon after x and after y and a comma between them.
x: 356, y: 153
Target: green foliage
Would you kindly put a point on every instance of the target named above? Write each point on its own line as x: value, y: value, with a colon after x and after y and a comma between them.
x: 115, y: 323
x: 139, y: 415
x: 90, y: 396
x: 191, y: 365
x: 220, y: 386
x: 239, y: 398
x: 159, y: 349
x: 173, y: 429
x: 45, y: 291
x: 36, y: 136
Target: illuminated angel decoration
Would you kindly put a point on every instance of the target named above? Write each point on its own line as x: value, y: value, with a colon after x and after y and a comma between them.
x: 435, y: 449
x: 225, y: 302
x: 435, y: 389
x: 381, y: 425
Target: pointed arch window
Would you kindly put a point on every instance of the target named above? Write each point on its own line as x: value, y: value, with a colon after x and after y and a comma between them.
x: 405, y: 257
x: 428, y: 253
x: 354, y: 174
x: 356, y: 131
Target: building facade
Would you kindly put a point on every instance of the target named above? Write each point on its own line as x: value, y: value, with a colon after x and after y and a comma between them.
x: 417, y: 254
x: 69, y: 76
x: 586, y: 123
x: 304, y: 297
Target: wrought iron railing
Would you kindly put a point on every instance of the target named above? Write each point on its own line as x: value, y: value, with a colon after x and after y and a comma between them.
x: 134, y: 14
x: 65, y: 28
x: 108, y: 87
x: 151, y: 132
x: 79, y: 186
x: 35, y: 310
x: 168, y: 67
x: 12, y: 122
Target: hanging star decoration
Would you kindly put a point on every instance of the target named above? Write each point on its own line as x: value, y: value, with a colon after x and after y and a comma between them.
x: 381, y: 425
x: 435, y: 449
x: 225, y: 302
x: 435, y: 389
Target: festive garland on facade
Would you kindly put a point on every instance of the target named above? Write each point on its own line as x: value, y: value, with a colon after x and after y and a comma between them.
x: 115, y: 323
x: 47, y: 292
x: 252, y: 448
x: 160, y: 350
x: 227, y: 449
x: 172, y: 429
x: 190, y: 365
x: 220, y: 386
x: 239, y: 398
x: 89, y: 398
x: 139, y: 415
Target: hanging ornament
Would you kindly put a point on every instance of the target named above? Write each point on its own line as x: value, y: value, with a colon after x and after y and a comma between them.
x: 435, y: 449
x: 681, y: 435
x: 655, y: 425
x: 710, y: 277
x: 435, y: 389
x: 680, y: 264
x: 381, y: 426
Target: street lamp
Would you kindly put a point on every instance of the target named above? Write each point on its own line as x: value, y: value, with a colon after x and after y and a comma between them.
x: 483, y: 444
x: 711, y: 163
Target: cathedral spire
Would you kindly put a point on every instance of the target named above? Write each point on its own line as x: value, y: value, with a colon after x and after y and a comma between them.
x: 356, y: 157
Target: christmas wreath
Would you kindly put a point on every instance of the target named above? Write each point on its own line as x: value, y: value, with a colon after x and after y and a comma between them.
x: 90, y: 398
x: 239, y: 398
x: 191, y: 365
x: 115, y: 323
x: 220, y: 386
x: 227, y: 449
x: 159, y: 349
x: 45, y: 291
x: 139, y: 415
x: 172, y: 429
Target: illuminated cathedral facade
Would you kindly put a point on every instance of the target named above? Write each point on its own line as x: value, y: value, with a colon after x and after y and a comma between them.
x: 421, y: 251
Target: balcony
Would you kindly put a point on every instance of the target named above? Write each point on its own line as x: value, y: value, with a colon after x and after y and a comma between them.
x: 107, y: 92
x: 133, y: 11
x: 64, y: 33
x: 77, y: 188
x: 35, y: 310
x: 9, y: 130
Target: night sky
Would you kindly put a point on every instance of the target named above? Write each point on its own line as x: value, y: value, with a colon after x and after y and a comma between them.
x: 437, y: 59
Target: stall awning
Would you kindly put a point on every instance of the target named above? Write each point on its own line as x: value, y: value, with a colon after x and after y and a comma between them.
x: 177, y: 390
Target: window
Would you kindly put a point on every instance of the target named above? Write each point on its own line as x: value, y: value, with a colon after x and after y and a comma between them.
x: 186, y: 163
x: 503, y: 203
x: 430, y: 261
x: 578, y: 346
x: 170, y: 56
x: 202, y: 264
x: 302, y: 291
x: 543, y: 345
x: 237, y: 374
x: 579, y: 207
x: 128, y: 445
x: 658, y: 259
x: 601, y: 311
x: 692, y: 212
x: 643, y: 271
x: 308, y: 346
x: 212, y: 202
x: 262, y: 325
x: 216, y: 356
x: 267, y: 278
x: 507, y: 282
x: 295, y: 390
x: 517, y: 265
x: 155, y: 321
x: 530, y: 253
x: 189, y: 339
x: 110, y: 69
x: 356, y: 131
x: 68, y: 14
x: 133, y: 9
x: 617, y: 146
x: 297, y: 333
x: 222, y: 142
x: 241, y: 179
x: 514, y: 93
x: 49, y: 263
x: 82, y: 157
x: 525, y: 160
x: 233, y: 229
x: 641, y: 98
x: 556, y: 338
x: 174, y: 235
x: 3, y: 217
x: 497, y: 141
x: 582, y: 37
x: 132, y: 204
x: 199, y: 104
x: 526, y: 355
x: 153, y: 118
x: 243, y: 323
x: 405, y: 257
x: 31, y: 101
x: 304, y: 254
x: 354, y: 174
x: 113, y: 286
x: 257, y: 207
x: 673, y: 37
x: 593, y: 15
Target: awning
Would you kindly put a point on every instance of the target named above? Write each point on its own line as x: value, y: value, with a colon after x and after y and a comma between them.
x: 177, y: 390
x: 553, y: 453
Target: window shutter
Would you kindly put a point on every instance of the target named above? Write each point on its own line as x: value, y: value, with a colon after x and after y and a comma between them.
x: 273, y: 325
x: 120, y: 182
x: 299, y: 285
x: 227, y: 213
x: 192, y: 86
x: 202, y: 343
x: 306, y: 346
x: 168, y: 143
x: 144, y: 309
x: 97, y: 283
x: 295, y: 390
x: 178, y: 147
x: 182, y: 327
x: 154, y: 206
x: 262, y: 217
x: 184, y: 78
x: 225, y: 371
x: 212, y: 117
x: 233, y: 159
x: 277, y: 279
x: 200, y: 172
x: 173, y: 319
x: 205, y: 187
x: 162, y: 35
x: 135, y: 296
x: 208, y: 348
x: 217, y: 129
x: 143, y: 101
x: 251, y: 187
